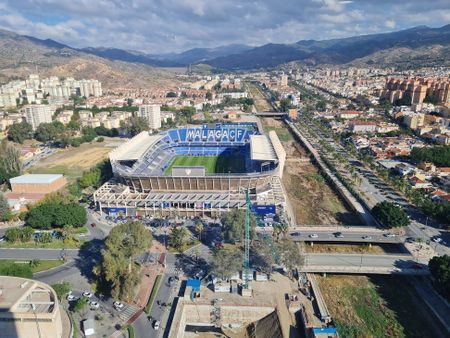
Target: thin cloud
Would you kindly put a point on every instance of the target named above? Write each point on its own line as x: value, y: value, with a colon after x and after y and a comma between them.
x: 160, y: 26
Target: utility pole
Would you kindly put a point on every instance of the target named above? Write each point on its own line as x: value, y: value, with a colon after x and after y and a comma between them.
x: 247, y: 241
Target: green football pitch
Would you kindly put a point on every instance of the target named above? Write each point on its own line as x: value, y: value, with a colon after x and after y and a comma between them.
x: 212, y: 164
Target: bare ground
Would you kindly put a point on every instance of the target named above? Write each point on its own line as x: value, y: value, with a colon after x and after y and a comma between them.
x: 379, y: 306
x: 72, y: 162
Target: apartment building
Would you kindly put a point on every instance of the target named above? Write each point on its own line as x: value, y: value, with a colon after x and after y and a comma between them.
x: 35, y: 114
x: 151, y: 112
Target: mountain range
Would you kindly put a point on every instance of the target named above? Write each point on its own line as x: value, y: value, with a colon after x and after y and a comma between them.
x: 418, y: 46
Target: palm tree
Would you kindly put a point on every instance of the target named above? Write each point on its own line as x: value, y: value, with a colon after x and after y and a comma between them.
x: 199, y: 227
x: 177, y: 237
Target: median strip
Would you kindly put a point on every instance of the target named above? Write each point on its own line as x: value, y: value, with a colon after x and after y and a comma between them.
x: 152, y: 296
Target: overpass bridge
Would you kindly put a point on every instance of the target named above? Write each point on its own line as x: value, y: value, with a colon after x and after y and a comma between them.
x: 271, y: 114
x: 364, y: 264
x: 342, y: 236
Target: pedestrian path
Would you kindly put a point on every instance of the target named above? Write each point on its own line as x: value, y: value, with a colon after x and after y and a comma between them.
x: 128, y: 311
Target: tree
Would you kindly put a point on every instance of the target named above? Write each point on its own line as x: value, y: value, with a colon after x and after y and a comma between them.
x: 390, y: 215
x: 124, y: 242
x: 5, y: 212
x: 439, y: 267
x: 290, y: 254
x: 199, y: 227
x: 137, y: 124
x: 20, y: 132
x: 177, y: 237
x: 285, y: 104
x: 171, y: 94
x: 281, y: 229
x: 226, y: 262
x: 208, y: 95
x: 10, y: 163
x: 264, y: 256
x: 26, y: 234
x: 79, y: 305
x: 46, y: 132
x: 41, y: 216
x: 233, y: 225
x: 34, y: 263
x: 12, y: 235
x: 62, y: 289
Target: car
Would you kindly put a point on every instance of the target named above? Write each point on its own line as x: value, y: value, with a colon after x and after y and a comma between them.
x: 390, y: 235
x: 87, y: 294
x: 338, y: 235
x: 295, y: 234
x: 171, y: 280
x: 71, y: 298
x: 366, y: 237
x: 156, y: 325
x: 93, y: 225
x: 437, y: 240
x: 314, y: 236
x: 118, y: 305
x: 94, y: 305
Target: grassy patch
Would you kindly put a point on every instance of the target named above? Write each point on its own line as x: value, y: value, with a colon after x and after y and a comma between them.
x: 45, y: 265
x: 130, y: 330
x: 41, y: 266
x: 376, y: 307
x: 151, y: 299
x: 74, y: 326
x: 55, y: 244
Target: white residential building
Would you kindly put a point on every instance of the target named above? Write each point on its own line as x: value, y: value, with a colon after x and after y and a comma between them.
x: 35, y: 114
x: 151, y: 112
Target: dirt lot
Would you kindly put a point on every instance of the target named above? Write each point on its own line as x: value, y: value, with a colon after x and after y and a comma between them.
x: 375, y: 307
x: 261, y: 103
x: 73, y: 161
x: 312, y: 200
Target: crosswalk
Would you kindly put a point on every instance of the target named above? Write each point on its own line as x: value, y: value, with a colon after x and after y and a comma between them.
x: 128, y: 311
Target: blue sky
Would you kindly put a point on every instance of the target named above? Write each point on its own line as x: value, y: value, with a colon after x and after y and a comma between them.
x: 160, y: 26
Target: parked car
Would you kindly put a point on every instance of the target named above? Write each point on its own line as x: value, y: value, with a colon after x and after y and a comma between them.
x: 94, y: 305
x: 87, y: 294
x: 156, y: 325
x: 118, y: 305
x: 71, y: 298
x: 93, y: 225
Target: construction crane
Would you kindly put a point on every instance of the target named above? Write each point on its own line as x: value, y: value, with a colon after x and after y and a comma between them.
x: 247, y: 242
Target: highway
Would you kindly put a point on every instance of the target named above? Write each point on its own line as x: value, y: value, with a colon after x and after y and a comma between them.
x: 363, y: 263
x: 344, y: 237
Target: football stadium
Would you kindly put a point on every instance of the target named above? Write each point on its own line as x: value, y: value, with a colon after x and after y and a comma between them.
x: 194, y: 171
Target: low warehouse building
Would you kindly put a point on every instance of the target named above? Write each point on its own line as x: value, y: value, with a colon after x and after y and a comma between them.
x: 37, y: 183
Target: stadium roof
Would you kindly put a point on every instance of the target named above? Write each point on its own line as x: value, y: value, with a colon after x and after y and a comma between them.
x: 135, y: 147
x: 261, y: 148
x: 35, y: 179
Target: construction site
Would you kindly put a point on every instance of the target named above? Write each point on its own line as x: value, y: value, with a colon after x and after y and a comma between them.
x: 278, y: 307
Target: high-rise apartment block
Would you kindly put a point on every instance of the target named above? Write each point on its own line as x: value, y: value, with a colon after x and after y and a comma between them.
x: 34, y: 90
x: 151, y: 112
x: 35, y: 114
x: 417, y: 89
